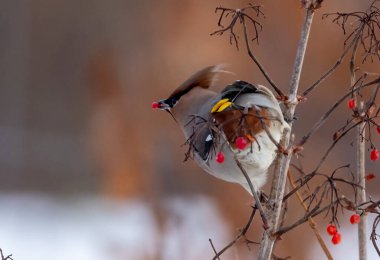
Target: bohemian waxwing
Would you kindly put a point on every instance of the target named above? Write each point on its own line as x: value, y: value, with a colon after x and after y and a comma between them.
x: 244, y: 120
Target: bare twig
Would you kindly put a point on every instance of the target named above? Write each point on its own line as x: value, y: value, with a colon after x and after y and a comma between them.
x: 324, y: 157
x: 330, y: 71
x: 311, y: 221
x: 254, y: 194
x: 242, y: 16
x: 374, y: 235
x: 213, y: 248
x: 312, y: 213
x: 8, y: 257
x: 242, y: 233
x: 258, y: 64
x: 355, y: 88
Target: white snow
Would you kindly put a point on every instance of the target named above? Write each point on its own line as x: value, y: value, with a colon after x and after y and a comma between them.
x: 38, y: 227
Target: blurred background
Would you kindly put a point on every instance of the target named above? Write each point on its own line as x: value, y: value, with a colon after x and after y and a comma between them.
x: 89, y: 171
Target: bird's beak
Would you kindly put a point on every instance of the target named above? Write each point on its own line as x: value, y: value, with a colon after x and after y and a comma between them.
x: 160, y: 105
x: 163, y: 106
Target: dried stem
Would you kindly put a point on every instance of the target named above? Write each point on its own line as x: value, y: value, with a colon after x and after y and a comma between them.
x: 242, y: 16
x: 374, y: 235
x: 311, y: 221
x: 213, y: 249
x: 360, y: 161
x: 258, y: 64
x: 9, y: 257
x: 312, y: 213
x: 355, y: 88
x: 241, y: 234
x: 360, y: 176
x: 329, y: 71
x: 254, y: 194
x: 282, y: 164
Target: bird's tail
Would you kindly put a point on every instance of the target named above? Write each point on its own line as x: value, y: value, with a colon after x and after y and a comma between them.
x: 203, y: 78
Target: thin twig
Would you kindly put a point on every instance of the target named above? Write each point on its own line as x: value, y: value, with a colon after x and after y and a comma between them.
x: 254, y: 194
x: 325, y: 116
x: 311, y: 221
x: 312, y: 213
x: 258, y: 64
x: 329, y: 71
x: 213, y: 248
x: 243, y: 17
x: 242, y: 233
x: 8, y: 257
x: 324, y: 157
x: 374, y: 235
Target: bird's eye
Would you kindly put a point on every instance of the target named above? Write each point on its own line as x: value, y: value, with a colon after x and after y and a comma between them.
x: 171, y: 102
x: 174, y: 102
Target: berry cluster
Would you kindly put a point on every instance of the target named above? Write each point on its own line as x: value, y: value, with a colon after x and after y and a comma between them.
x: 333, y: 231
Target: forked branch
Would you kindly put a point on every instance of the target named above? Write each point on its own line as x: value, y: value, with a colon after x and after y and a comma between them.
x: 246, y: 20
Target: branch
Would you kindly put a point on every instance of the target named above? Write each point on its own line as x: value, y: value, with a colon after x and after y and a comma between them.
x: 213, y: 249
x: 312, y: 223
x: 254, y: 194
x: 258, y: 64
x: 237, y: 238
x: 374, y: 235
x: 9, y: 257
x: 311, y: 213
x: 282, y: 164
x: 329, y: 71
x: 325, y: 116
x: 244, y: 17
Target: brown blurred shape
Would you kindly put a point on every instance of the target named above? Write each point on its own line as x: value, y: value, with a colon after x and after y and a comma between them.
x: 112, y: 138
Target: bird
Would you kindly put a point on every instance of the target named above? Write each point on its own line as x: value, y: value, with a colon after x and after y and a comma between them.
x: 243, y: 123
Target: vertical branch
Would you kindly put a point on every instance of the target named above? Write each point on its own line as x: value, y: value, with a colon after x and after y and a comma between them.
x: 360, y: 163
x: 360, y: 171
x: 282, y: 164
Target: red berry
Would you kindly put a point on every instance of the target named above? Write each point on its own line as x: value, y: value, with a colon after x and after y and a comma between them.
x: 370, y: 176
x: 374, y: 154
x: 220, y: 157
x: 336, y: 239
x: 241, y: 142
x: 331, y: 230
x: 355, y: 218
x: 378, y: 129
x: 155, y: 105
x: 351, y: 103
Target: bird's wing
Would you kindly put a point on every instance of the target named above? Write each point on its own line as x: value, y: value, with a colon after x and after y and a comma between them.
x: 250, y: 109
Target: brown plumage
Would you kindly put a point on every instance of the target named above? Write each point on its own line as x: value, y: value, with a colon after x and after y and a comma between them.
x: 236, y: 123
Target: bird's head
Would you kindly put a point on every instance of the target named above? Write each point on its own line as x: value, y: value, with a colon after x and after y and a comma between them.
x: 202, y: 79
x: 165, y: 104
